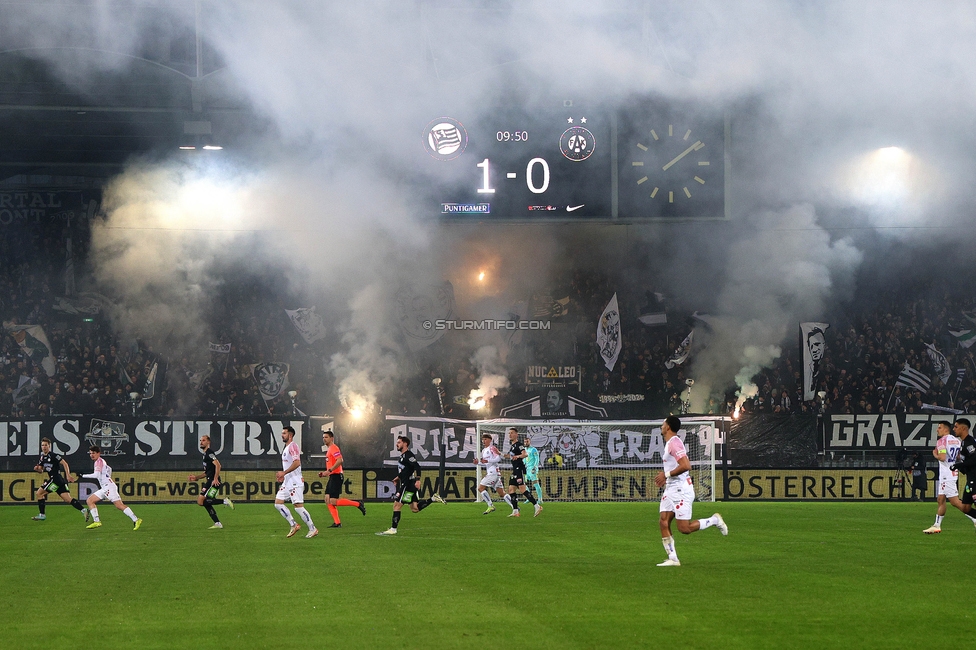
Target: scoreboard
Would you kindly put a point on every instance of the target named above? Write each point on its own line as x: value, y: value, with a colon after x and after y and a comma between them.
x: 642, y: 162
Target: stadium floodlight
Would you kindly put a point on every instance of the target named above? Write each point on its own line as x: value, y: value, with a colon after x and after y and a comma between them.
x: 609, y: 460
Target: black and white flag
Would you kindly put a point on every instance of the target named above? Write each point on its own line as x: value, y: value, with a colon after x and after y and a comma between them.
x: 608, y: 334
x: 911, y: 378
x: 308, y: 323
x: 813, y: 344
x: 939, y: 363
x: 682, y: 353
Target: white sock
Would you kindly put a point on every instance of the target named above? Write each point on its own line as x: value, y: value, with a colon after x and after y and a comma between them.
x: 131, y: 515
x: 705, y: 523
x: 94, y: 513
x: 486, y: 497
x: 307, y: 518
x: 938, y: 521
x: 283, y: 509
x: 669, y: 547
x: 508, y: 500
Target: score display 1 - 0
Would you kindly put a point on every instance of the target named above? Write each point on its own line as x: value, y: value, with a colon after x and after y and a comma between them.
x: 634, y: 164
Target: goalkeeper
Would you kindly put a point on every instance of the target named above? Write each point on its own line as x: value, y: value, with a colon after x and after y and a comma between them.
x: 532, y: 469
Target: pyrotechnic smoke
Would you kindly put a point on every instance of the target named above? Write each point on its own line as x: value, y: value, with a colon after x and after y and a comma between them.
x: 782, y: 274
x: 332, y: 198
x: 491, y: 378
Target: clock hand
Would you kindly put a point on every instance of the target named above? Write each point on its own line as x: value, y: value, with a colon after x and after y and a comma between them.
x: 695, y: 147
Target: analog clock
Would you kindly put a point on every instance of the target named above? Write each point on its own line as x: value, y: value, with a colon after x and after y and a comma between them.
x: 672, y: 166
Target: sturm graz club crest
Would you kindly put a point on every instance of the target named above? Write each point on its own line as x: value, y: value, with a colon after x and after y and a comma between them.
x: 445, y: 138
x: 107, y: 436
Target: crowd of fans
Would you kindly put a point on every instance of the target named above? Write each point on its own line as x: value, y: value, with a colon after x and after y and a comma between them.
x: 98, y: 373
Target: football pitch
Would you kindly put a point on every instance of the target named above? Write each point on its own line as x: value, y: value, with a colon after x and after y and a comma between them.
x: 581, y: 575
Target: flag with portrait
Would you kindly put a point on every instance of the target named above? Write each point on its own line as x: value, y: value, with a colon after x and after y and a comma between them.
x: 813, y: 345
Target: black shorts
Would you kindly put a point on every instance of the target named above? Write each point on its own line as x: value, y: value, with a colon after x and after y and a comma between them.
x: 967, y: 493
x: 407, y: 493
x: 207, y: 490
x: 55, y: 484
x: 517, y: 479
x: 334, y: 487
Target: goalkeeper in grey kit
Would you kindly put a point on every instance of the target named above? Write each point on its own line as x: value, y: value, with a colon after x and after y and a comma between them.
x: 407, y: 484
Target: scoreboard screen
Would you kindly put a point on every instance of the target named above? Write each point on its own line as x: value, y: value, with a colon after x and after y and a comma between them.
x: 645, y: 161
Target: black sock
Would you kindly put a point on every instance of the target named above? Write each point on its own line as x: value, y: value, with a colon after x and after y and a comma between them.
x: 76, y: 504
x: 970, y: 514
x: 423, y: 504
x: 41, y: 504
x: 207, y: 501
x: 528, y: 495
x: 396, y: 518
x: 211, y: 511
x: 514, y: 497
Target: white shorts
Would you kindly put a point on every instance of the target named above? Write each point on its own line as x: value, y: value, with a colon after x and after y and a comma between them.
x: 948, y: 487
x: 492, y: 480
x: 677, y: 499
x: 110, y: 493
x: 293, y: 491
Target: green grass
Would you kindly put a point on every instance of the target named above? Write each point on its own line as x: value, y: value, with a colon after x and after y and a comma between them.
x: 580, y: 576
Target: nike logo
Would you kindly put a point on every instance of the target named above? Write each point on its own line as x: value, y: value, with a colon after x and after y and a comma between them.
x: 570, y: 208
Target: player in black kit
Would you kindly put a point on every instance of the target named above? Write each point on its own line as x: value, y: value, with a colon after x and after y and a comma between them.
x: 966, y: 463
x: 407, y: 484
x: 517, y: 480
x: 211, y: 472
x: 52, y: 463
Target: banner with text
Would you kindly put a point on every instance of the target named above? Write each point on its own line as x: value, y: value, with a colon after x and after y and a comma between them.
x: 889, y: 431
x: 129, y: 443
x: 819, y: 484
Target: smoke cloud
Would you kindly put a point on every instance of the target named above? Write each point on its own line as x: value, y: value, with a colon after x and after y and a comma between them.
x: 328, y: 193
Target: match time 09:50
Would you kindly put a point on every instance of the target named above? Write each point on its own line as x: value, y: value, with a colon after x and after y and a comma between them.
x: 512, y: 136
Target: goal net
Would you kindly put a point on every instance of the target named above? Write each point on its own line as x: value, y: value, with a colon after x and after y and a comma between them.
x: 608, y: 460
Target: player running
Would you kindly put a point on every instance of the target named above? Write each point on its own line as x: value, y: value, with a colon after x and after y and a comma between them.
x: 966, y: 463
x: 516, y: 481
x: 407, y: 484
x: 490, y: 457
x: 333, y: 489
x: 108, y: 490
x: 946, y: 450
x: 53, y: 463
x: 532, y: 469
x: 292, y: 485
x: 679, y: 492
x: 211, y: 472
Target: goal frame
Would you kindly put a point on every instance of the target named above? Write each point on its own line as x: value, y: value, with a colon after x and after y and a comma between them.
x: 708, y: 464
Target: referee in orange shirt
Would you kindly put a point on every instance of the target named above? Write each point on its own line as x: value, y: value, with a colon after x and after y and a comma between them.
x: 333, y: 489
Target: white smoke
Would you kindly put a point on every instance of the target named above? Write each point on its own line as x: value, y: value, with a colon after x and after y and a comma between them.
x: 783, y: 273
x: 331, y: 196
x: 491, y: 377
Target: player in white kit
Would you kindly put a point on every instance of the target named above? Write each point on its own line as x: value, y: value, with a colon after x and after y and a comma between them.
x: 490, y: 457
x: 108, y: 490
x: 946, y: 451
x: 292, y: 485
x: 679, y: 492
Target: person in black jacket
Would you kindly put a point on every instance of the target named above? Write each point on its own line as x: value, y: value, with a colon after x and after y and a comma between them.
x: 966, y: 463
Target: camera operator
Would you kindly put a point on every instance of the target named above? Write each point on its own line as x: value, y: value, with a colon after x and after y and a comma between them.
x: 917, y: 467
x: 966, y: 463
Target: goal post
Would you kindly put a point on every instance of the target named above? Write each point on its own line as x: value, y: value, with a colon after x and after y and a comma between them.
x: 608, y: 460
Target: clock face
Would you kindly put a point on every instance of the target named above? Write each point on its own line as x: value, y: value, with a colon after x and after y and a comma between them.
x: 671, y: 167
